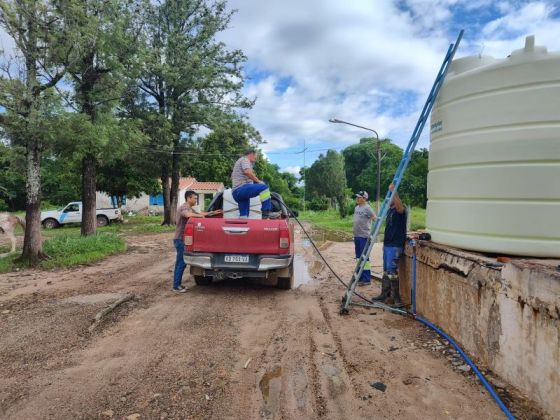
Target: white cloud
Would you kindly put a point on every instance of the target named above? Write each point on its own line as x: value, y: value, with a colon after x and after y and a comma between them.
x: 371, y: 63
x: 345, y: 60
x: 294, y: 170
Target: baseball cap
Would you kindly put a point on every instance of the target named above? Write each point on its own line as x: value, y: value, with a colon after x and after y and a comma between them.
x: 362, y: 194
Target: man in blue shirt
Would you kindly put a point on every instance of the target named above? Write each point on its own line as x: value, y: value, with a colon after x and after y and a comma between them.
x: 393, y: 245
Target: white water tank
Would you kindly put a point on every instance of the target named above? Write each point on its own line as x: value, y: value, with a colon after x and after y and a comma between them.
x: 494, y: 170
x: 231, y: 208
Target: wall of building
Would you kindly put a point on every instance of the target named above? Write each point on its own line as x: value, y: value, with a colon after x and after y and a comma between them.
x: 506, y: 318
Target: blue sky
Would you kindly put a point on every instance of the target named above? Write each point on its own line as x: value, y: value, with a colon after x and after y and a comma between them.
x: 368, y: 62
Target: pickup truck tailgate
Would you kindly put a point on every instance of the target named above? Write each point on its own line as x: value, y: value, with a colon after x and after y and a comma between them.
x: 239, y: 236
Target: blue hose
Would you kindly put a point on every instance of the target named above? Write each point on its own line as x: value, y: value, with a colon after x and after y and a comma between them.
x: 466, y: 358
x: 413, y: 244
x: 486, y: 384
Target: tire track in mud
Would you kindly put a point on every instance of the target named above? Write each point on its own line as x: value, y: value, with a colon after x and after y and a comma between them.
x: 349, y: 367
x: 319, y: 403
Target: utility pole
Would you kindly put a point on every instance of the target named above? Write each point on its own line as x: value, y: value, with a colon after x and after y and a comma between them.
x: 304, y: 175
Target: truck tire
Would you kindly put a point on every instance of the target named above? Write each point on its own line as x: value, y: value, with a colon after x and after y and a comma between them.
x: 202, y: 280
x: 50, y: 223
x: 286, y: 283
x: 102, y: 221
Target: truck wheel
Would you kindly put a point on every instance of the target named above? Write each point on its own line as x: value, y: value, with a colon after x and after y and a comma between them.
x: 102, y: 221
x: 50, y: 224
x: 202, y: 280
x: 286, y: 283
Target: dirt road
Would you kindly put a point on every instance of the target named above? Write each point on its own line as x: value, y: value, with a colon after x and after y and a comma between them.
x: 228, y: 351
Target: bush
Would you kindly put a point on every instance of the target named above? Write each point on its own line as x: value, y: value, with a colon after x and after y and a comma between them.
x: 319, y: 204
x: 293, y: 203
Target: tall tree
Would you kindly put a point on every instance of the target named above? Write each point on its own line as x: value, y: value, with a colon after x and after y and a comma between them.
x: 106, y: 49
x: 326, y: 177
x: 213, y: 156
x: 42, y: 48
x: 361, y: 170
x: 187, y: 75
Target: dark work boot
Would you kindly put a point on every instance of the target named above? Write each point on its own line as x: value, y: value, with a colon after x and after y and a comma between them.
x: 385, y: 289
x: 397, y: 302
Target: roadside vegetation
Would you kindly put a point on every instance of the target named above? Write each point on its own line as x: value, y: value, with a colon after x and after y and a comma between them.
x: 66, y: 247
x: 330, y: 220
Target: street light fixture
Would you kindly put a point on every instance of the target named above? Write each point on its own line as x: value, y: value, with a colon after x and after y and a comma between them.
x: 337, y: 121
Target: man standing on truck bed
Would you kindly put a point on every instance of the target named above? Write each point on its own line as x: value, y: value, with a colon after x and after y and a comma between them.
x: 246, y: 185
x: 185, y: 212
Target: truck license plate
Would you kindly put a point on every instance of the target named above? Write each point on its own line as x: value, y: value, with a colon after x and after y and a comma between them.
x: 237, y: 258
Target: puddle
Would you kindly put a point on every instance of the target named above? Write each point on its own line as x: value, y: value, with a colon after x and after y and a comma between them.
x: 301, y: 271
x: 270, y: 384
x: 321, y: 235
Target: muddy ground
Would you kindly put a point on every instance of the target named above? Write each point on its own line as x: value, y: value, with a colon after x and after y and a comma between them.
x: 228, y: 351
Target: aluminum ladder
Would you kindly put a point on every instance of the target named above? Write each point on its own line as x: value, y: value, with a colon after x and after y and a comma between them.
x: 347, y: 298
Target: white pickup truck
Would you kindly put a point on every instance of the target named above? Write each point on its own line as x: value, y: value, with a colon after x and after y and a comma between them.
x: 72, y: 213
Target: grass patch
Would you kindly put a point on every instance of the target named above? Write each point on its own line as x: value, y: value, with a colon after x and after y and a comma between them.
x: 331, y: 220
x: 132, y: 225
x: 70, y: 249
x: 7, y: 263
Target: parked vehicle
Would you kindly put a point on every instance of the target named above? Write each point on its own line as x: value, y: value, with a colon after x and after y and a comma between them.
x: 72, y: 213
x: 221, y: 247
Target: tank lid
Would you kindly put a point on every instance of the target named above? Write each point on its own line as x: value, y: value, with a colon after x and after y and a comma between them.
x: 530, y: 48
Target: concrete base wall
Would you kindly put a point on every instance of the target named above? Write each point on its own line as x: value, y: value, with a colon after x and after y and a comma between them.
x: 507, y: 318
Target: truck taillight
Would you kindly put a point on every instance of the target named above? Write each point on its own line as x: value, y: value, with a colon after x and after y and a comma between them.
x: 284, y: 238
x: 189, y: 231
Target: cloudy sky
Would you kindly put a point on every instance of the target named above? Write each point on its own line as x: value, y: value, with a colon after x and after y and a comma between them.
x: 370, y: 62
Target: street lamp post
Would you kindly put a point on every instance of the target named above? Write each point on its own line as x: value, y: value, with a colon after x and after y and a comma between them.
x: 377, y: 192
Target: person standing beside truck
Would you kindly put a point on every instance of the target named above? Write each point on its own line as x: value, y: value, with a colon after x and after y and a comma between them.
x: 361, y: 228
x: 246, y: 185
x: 184, y: 213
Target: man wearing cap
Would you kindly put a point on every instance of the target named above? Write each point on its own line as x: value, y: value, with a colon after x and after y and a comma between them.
x: 361, y: 227
x: 393, y: 245
x: 246, y: 185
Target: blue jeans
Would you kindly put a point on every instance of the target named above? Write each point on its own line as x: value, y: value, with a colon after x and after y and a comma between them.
x: 391, y: 255
x: 359, y: 245
x: 245, y: 192
x: 179, y: 263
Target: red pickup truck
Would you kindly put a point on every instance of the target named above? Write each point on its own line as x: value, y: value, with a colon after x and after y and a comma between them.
x: 217, y: 248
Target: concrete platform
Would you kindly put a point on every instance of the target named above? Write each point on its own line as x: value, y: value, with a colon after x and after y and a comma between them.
x: 507, y: 318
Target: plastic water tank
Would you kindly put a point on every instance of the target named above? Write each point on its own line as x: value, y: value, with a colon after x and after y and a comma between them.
x: 231, y: 208
x: 494, y: 170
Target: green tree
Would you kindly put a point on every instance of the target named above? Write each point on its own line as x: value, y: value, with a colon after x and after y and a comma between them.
x: 414, y: 186
x: 42, y: 44
x: 187, y: 77
x: 12, y: 179
x: 361, y: 170
x: 212, y: 157
x: 105, y: 53
x: 326, y: 177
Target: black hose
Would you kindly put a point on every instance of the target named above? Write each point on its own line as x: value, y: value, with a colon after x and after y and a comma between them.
x: 292, y: 214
